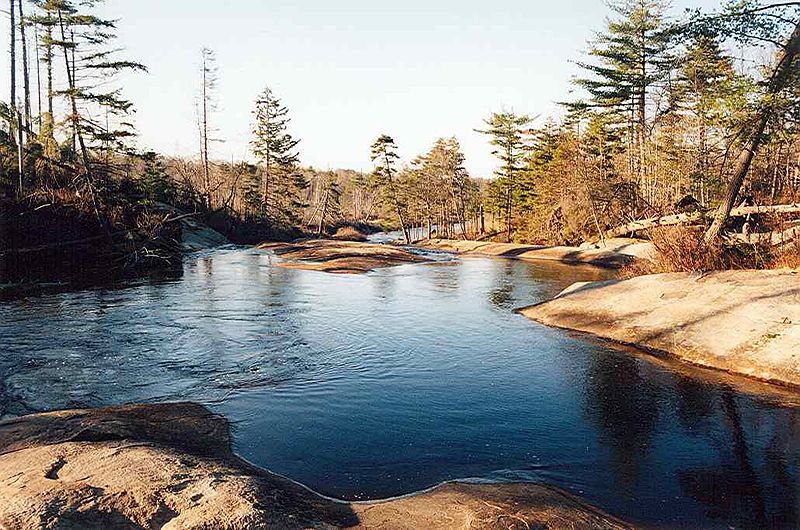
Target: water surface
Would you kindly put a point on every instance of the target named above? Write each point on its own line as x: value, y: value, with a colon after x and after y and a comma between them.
x: 365, y: 387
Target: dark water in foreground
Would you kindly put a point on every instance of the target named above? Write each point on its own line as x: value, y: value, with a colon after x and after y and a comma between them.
x: 379, y: 385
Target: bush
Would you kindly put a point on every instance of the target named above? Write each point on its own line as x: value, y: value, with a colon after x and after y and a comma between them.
x: 789, y: 258
x: 682, y: 249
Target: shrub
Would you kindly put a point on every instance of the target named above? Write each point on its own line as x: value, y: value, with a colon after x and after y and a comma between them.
x: 682, y: 249
x: 789, y: 258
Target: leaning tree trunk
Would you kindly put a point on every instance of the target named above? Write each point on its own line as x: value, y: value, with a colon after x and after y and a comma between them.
x: 776, y: 84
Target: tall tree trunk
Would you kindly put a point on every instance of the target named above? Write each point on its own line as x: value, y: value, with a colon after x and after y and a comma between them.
x: 508, y: 214
x: 393, y: 198
x: 12, y: 102
x: 324, y: 213
x: 776, y: 83
x: 26, y: 83
x: 49, y: 58
x: 265, y: 181
x: 20, y: 156
x: 401, y: 218
x: 70, y: 69
x: 206, y: 171
x: 38, y: 77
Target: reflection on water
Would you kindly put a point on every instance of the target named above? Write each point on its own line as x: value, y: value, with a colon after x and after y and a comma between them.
x: 378, y: 385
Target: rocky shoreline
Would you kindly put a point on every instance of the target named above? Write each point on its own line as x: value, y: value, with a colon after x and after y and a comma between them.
x: 170, y: 466
x: 615, y: 254
x: 743, y: 322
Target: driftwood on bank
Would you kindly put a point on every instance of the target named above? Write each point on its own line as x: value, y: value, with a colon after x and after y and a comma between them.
x: 694, y: 217
x: 775, y: 238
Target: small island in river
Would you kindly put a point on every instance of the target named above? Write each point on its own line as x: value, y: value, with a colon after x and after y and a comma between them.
x: 340, y: 257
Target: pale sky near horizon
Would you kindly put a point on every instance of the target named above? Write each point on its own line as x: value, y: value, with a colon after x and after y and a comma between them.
x: 350, y: 70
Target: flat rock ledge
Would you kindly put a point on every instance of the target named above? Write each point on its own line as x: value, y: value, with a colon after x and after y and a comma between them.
x: 743, y: 322
x: 340, y: 257
x: 614, y: 255
x: 170, y: 467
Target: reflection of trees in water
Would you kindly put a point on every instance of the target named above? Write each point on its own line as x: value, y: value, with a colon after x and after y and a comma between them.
x: 444, y: 277
x: 623, y: 406
x: 752, y: 486
x: 502, y: 294
x: 385, y: 285
x: 733, y: 491
x: 696, y: 402
x: 782, y: 465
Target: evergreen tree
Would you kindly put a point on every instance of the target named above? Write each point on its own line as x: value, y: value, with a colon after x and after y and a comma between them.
x: 441, y: 186
x: 98, y: 112
x: 330, y: 205
x: 511, y: 137
x: 705, y: 88
x: 155, y: 182
x: 384, y: 177
x: 632, y: 60
x: 280, y: 180
x: 750, y: 21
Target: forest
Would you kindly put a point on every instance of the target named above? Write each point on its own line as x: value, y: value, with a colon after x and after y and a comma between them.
x: 691, y: 116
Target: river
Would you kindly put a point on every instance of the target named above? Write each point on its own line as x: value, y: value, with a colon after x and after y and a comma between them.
x: 365, y: 387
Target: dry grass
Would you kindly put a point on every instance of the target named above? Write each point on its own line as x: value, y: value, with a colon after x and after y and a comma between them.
x: 682, y: 249
x: 789, y: 258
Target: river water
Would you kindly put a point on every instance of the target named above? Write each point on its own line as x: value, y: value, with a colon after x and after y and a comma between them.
x: 365, y: 387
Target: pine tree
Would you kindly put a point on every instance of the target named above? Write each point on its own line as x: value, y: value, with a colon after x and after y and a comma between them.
x: 706, y: 84
x: 511, y: 137
x: 12, y: 49
x: 443, y: 181
x: 98, y: 113
x: 26, y: 84
x: 281, y: 182
x: 632, y: 60
x: 384, y: 177
x: 155, y: 182
x: 330, y: 206
x: 754, y: 21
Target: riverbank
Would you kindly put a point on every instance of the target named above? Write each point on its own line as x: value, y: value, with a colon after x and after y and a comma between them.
x: 63, y: 241
x: 744, y: 322
x: 615, y: 254
x: 340, y: 257
x: 171, y: 466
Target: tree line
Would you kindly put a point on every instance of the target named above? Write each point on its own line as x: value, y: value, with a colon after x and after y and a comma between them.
x: 673, y: 114
x: 677, y: 114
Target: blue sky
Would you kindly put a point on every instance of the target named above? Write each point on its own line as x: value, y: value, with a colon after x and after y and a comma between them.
x: 350, y: 70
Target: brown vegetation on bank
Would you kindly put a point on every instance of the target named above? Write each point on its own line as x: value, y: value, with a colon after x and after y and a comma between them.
x: 684, y: 249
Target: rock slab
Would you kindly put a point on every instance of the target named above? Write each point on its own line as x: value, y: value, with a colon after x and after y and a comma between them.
x: 614, y: 255
x: 744, y: 322
x: 170, y: 467
x: 340, y: 257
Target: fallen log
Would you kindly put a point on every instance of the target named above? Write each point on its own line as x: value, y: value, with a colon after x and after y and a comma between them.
x: 693, y: 217
x: 775, y: 238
